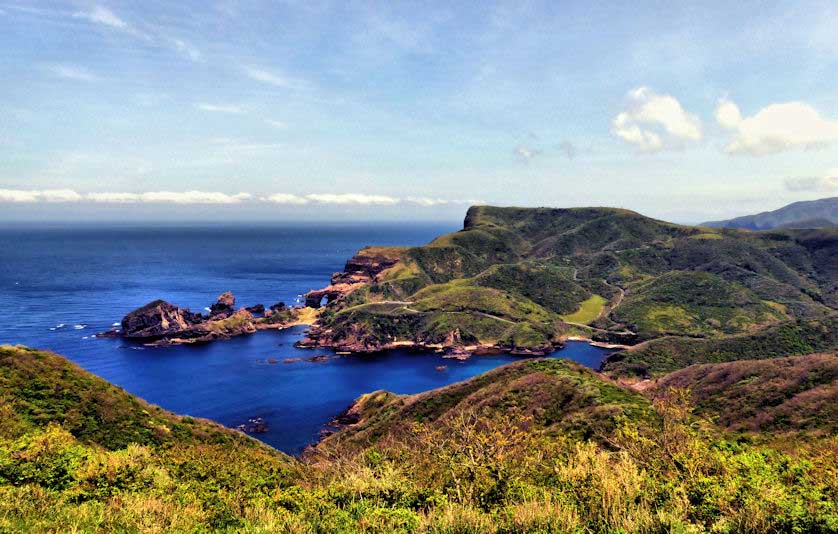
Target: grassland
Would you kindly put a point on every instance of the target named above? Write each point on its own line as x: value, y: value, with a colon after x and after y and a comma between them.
x: 537, y: 446
x: 588, y: 310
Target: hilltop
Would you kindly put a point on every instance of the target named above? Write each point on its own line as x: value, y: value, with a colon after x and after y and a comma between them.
x: 822, y: 213
x: 522, y: 280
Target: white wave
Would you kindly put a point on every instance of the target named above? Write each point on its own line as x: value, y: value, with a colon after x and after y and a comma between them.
x: 80, y: 326
x: 60, y: 325
x: 115, y: 324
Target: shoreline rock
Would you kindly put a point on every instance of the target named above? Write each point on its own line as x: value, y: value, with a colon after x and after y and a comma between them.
x: 160, y: 323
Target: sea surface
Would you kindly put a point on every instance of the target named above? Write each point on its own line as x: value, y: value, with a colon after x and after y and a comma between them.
x: 61, y: 285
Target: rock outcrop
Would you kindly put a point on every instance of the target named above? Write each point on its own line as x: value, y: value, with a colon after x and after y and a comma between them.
x: 360, y: 270
x: 224, y: 307
x: 157, y: 320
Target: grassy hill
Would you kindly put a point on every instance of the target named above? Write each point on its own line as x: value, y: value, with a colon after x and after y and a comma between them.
x: 779, y: 395
x: 558, y: 396
x: 536, y: 446
x: 670, y: 353
x: 522, y: 279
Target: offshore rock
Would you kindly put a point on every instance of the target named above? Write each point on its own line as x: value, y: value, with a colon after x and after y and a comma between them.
x: 224, y: 307
x: 159, y: 319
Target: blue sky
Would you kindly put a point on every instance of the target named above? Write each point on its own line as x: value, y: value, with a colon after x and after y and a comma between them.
x: 365, y: 110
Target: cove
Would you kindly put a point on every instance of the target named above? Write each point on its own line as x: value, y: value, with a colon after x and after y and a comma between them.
x: 61, y: 285
x: 246, y: 377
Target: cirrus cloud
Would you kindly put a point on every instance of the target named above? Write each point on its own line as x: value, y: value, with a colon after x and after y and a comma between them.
x: 104, y: 16
x: 219, y: 108
x: 775, y: 128
x: 654, y: 121
x: 71, y: 72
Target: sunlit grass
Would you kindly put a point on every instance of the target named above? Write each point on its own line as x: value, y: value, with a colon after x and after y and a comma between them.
x: 588, y: 310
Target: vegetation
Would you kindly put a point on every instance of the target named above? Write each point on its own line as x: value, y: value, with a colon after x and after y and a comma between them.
x: 693, y: 303
x: 514, y: 278
x: 671, y: 353
x: 742, y: 441
x: 588, y: 310
x: 536, y: 446
x: 779, y: 395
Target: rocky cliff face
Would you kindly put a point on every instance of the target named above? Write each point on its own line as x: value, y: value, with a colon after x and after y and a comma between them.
x: 360, y: 270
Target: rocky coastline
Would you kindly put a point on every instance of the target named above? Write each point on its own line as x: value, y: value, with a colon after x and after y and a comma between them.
x: 160, y: 323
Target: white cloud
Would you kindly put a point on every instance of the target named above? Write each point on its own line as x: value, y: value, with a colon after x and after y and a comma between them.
x: 285, y: 198
x: 352, y: 198
x: 219, y: 108
x: 728, y: 114
x: 775, y: 128
x: 114, y: 198
x: 655, y: 121
x: 276, y: 124
x: 430, y: 202
x: 187, y: 50
x: 274, y: 78
x: 827, y: 183
x: 71, y: 72
x: 526, y: 153
x: 169, y: 197
x: 103, y: 15
x: 45, y: 195
x: 209, y: 197
x: 194, y: 197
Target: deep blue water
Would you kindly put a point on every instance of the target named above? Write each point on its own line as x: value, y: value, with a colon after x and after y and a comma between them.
x: 87, y: 278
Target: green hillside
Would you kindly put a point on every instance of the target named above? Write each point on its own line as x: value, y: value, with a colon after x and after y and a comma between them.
x: 670, y: 353
x: 522, y: 279
x: 778, y: 395
x: 535, y: 446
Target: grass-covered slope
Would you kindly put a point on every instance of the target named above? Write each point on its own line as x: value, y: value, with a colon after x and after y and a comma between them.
x: 536, y: 446
x: 671, y: 353
x: 522, y: 279
x: 78, y: 454
x: 547, y: 446
x: 38, y: 388
x: 693, y: 303
x: 778, y: 395
x: 560, y: 397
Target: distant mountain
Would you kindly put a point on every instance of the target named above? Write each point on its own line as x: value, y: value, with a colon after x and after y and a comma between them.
x: 821, y: 213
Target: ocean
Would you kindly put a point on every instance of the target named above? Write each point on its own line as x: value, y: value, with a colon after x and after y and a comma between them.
x: 61, y: 285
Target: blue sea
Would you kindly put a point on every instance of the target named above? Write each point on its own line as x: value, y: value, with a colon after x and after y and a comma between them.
x: 61, y: 285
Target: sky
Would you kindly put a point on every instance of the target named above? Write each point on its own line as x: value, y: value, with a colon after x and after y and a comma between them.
x: 317, y: 110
